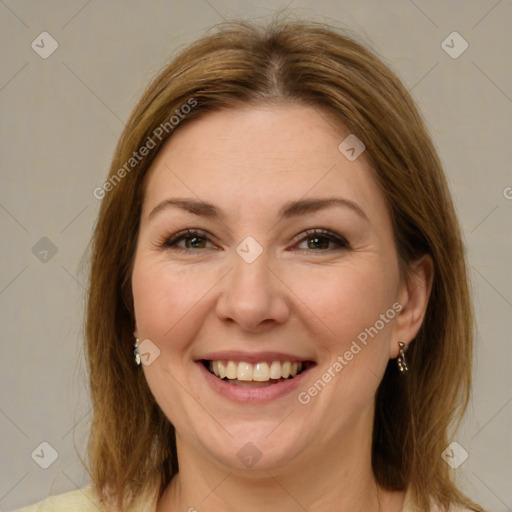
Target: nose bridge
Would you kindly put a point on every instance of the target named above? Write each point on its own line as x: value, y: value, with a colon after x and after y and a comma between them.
x: 251, y: 275
x: 251, y: 295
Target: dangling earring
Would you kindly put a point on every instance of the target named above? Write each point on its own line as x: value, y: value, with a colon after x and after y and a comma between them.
x: 136, y: 352
x: 401, y: 358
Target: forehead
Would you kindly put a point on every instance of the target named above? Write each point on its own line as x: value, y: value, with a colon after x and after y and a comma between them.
x: 255, y: 156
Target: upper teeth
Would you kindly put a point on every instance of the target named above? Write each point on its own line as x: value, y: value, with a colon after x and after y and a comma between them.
x: 259, y: 372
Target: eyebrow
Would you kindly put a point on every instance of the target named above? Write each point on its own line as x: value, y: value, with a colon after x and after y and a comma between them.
x: 289, y: 210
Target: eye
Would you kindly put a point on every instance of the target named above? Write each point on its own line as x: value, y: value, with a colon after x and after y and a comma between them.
x: 191, y: 238
x: 318, y: 240
x: 322, y: 240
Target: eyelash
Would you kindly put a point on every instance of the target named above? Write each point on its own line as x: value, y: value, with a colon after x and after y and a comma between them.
x: 307, y: 235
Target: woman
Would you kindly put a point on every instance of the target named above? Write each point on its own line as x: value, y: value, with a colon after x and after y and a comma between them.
x: 278, y: 309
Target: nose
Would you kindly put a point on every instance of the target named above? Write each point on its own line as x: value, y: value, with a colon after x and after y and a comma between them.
x: 253, y: 296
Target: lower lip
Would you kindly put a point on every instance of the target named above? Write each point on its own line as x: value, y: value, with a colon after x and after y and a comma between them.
x: 251, y: 395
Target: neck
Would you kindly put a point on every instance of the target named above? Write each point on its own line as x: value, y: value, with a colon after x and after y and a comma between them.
x: 338, y: 477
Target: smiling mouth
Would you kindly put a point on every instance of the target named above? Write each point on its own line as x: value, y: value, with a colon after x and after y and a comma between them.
x: 256, y: 375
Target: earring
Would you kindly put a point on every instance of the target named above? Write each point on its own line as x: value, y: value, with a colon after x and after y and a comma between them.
x: 401, y: 358
x: 136, y: 352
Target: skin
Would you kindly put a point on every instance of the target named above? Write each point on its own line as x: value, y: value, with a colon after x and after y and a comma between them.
x: 300, y: 296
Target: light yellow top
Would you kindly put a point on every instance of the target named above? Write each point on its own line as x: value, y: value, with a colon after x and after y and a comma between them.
x: 85, y: 500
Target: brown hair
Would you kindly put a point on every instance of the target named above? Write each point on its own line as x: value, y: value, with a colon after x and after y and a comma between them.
x: 132, y: 444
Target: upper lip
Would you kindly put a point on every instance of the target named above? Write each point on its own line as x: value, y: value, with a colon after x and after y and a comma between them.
x: 252, y: 357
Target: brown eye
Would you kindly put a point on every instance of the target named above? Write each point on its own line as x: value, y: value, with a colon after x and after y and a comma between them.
x: 189, y: 239
x: 318, y: 242
x: 323, y: 240
x: 194, y: 242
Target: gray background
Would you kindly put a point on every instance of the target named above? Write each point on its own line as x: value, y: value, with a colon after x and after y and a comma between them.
x: 61, y: 117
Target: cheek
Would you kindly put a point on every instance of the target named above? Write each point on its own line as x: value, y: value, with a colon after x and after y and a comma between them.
x: 353, y: 338
x: 160, y: 298
x: 166, y: 298
x: 346, y: 300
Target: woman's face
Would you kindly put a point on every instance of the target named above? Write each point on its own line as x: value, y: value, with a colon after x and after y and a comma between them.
x: 289, y: 263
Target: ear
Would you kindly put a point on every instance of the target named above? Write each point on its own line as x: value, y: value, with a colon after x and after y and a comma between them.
x: 413, y: 296
x: 135, y: 330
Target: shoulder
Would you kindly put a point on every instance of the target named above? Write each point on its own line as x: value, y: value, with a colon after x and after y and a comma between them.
x: 410, y: 506
x: 453, y: 508
x: 84, y: 500
x: 87, y: 500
